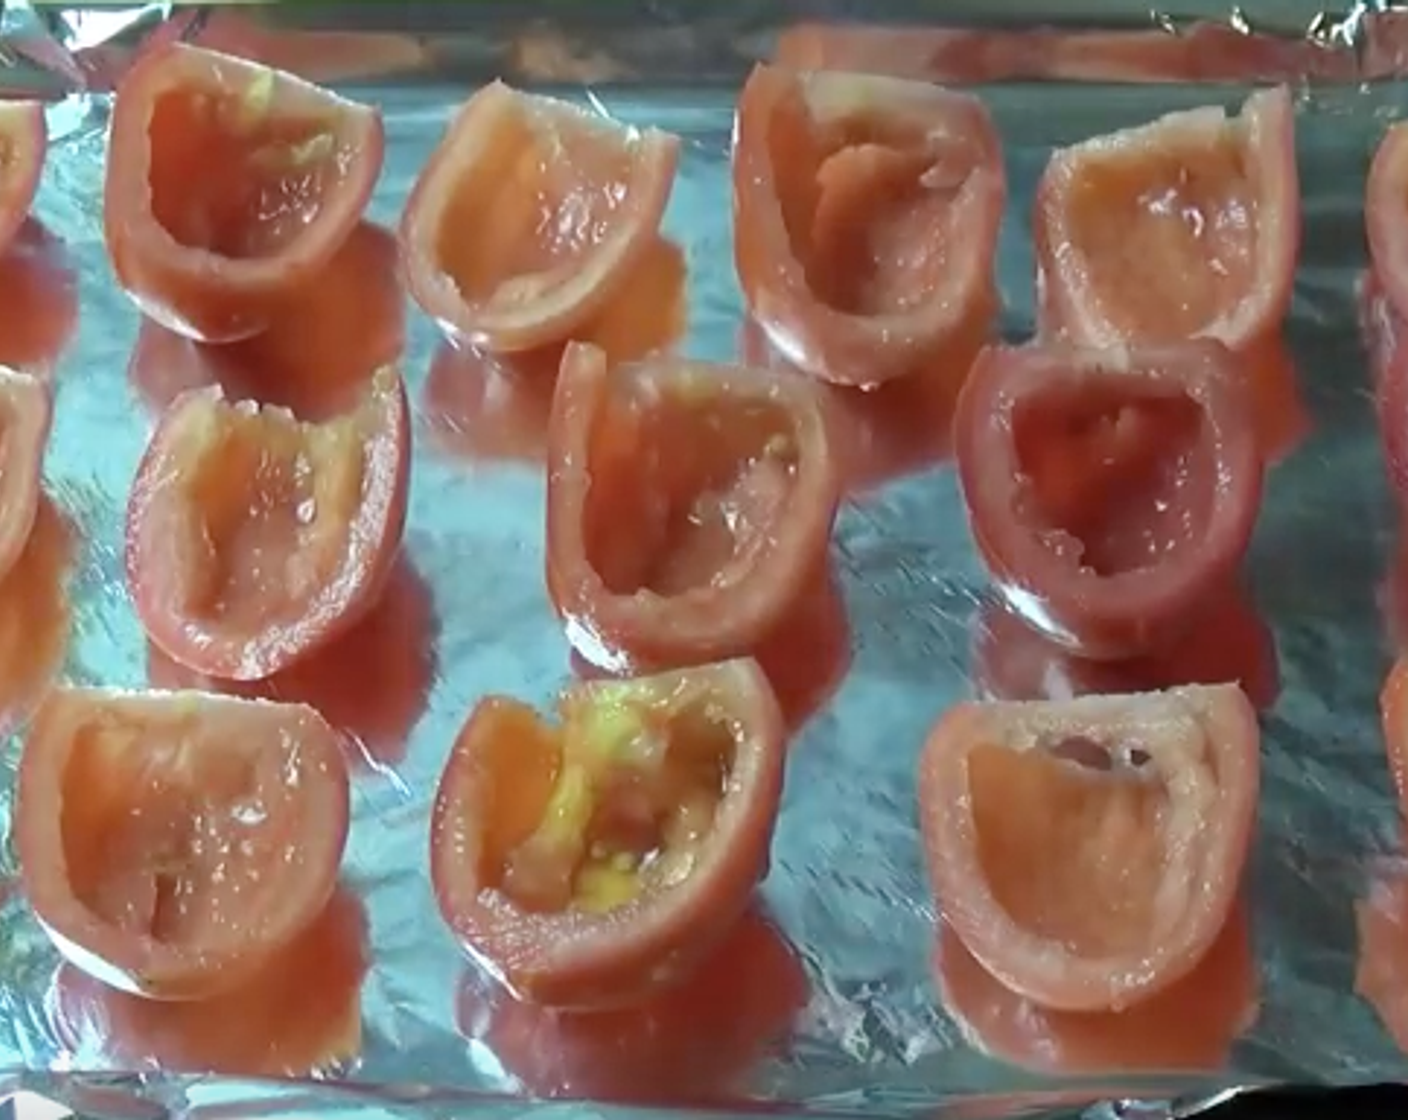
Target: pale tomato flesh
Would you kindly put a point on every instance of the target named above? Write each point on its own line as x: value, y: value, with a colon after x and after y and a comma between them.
x: 26, y: 410
x: 170, y: 842
x: 254, y: 537
x: 276, y: 169
x: 550, y: 191
x: 689, y: 481
x: 1118, y: 482
x: 24, y: 140
x: 1172, y: 225
x: 1089, y: 852
x: 612, y: 805
x: 869, y: 200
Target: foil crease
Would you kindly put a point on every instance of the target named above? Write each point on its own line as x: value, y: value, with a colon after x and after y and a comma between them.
x: 847, y: 891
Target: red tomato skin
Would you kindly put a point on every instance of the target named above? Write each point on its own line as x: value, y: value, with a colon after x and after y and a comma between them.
x: 1044, y: 970
x: 22, y: 460
x: 144, y: 965
x: 836, y: 346
x: 378, y: 526
x: 546, y: 319
x: 1126, y: 614
x: 703, y: 624
x: 200, y: 293
x: 1393, y: 708
x: 1385, y: 297
x: 585, y: 962
x: 23, y: 125
x: 1067, y: 309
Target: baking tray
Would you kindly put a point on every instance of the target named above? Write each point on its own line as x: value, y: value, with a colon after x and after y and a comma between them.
x: 837, y: 967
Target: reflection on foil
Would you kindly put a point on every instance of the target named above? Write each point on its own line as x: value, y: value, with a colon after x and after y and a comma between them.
x: 888, y: 648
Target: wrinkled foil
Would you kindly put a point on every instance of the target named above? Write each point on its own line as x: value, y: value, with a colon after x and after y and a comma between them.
x: 846, y: 899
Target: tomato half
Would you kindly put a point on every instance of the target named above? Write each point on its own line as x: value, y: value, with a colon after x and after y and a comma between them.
x: 689, y: 505
x: 592, y: 863
x: 1381, y: 965
x: 1384, y: 297
x: 866, y: 217
x: 563, y: 205
x: 24, y: 142
x: 1088, y: 852
x: 26, y: 411
x: 254, y: 538
x: 1108, y: 491
x: 229, y: 186
x: 170, y: 842
x: 1187, y: 227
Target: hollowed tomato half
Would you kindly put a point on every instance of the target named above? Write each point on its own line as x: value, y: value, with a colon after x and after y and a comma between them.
x: 589, y: 863
x: 171, y: 842
x: 1393, y: 707
x: 254, y: 538
x: 1108, y: 491
x: 866, y: 216
x: 26, y: 410
x: 531, y: 215
x: 1186, y: 226
x: 229, y: 186
x: 1089, y: 852
x: 24, y: 142
x: 690, y: 506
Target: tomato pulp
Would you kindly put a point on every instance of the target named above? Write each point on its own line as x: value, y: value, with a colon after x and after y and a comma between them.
x: 1108, y: 490
x: 866, y: 216
x: 589, y: 864
x: 229, y: 187
x: 171, y: 842
x: 253, y: 538
x: 1088, y: 852
x: 26, y: 411
x: 530, y: 217
x: 24, y: 143
x: 1185, y: 227
x: 690, y: 505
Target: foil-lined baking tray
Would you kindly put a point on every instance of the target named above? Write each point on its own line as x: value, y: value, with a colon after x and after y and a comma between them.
x: 833, y: 1001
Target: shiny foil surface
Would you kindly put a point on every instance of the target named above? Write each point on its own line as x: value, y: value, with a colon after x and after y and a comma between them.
x: 385, y: 1017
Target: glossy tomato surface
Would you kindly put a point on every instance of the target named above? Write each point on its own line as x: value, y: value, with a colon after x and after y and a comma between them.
x: 24, y: 142
x: 171, y: 842
x: 1089, y: 852
x: 1108, y: 491
x: 26, y: 410
x: 254, y: 538
x: 229, y: 186
x: 562, y: 205
x: 866, y: 216
x: 1187, y: 226
x: 590, y: 863
x: 690, y: 505
x: 1384, y: 297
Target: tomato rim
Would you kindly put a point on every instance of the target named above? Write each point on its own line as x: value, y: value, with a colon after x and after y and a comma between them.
x: 605, y: 267
x: 31, y: 406
x: 1385, y: 212
x: 22, y: 123
x: 650, y: 940
x: 705, y: 623
x: 128, y: 218
x: 1068, y: 600
x: 1034, y: 966
x: 1383, y: 329
x: 373, y: 538
x: 782, y: 303
x: 1267, y: 117
x: 1393, y: 714
x: 138, y: 963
